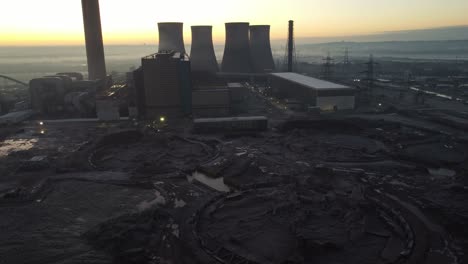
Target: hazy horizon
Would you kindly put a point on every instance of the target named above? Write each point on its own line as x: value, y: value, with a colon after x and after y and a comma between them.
x: 452, y: 33
x: 25, y: 63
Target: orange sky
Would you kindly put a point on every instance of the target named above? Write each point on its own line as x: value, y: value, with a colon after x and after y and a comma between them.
x: 59, y: 22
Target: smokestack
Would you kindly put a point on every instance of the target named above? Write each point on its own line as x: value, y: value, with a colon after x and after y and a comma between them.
x: 202, y: 55
x: 260, y: 49
x: 93, y: 36
x: 237, y: 52
x: 290, y: 45
x: 171, y: 37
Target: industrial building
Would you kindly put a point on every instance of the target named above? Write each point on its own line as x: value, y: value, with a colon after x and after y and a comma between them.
x: 312, y: 92
x: 202, y: 55
x: 64, y: 92
x: 238, y: 92
x: 165, y: 85
x: 236, y: 56
x: 211, y: 102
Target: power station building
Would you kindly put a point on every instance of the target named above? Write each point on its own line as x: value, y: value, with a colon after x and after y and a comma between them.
x: 169, y: 83
x: 64, y: 92
x: 312, y: 92
x: 163, y: 85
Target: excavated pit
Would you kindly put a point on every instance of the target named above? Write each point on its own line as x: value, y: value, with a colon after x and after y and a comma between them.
x: 324, y: 219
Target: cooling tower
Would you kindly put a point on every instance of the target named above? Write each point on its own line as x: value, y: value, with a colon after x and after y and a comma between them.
x: 260, y: 49
x: 93, y: 36
x: 202, y: 55
x: 236, y: 52
x: 171, y: 37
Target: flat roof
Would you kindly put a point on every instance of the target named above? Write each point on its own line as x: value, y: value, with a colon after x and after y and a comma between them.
x: 229, y: 119
x: 307, y: 81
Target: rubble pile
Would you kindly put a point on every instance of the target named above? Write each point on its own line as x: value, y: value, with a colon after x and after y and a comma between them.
x: 153, y: 154
x: 150, y: 236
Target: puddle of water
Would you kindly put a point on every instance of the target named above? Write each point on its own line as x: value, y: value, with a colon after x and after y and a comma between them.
x: 441, y: 172
x: 11, y: 145
x: 217, y: 184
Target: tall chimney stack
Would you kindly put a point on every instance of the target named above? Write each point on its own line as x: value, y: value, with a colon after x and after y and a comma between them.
x: 94, y: 43
x: 290, y: 45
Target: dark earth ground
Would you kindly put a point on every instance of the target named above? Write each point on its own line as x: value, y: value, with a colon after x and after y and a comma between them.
x: 329, y: 191
x: 374, y: 188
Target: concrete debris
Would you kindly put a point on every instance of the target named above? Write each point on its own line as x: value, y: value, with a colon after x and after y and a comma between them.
x: 159, y: 200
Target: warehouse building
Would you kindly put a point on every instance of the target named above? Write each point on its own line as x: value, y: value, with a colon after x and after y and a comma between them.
x: 312, y: 92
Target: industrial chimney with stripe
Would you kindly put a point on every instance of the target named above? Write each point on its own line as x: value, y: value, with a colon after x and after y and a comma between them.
x: 202, y: 54
x: 260, y: 49
x: 237, y: 52
x: 171, y: 37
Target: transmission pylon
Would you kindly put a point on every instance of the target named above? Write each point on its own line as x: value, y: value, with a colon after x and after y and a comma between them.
x: 328, y: 67
x: 370, y: 73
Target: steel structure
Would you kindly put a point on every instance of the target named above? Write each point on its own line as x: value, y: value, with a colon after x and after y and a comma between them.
x: 202, y: 55
x: 328, y: 67
x: 171, y: 37
x: 13, y: 80
x: 346, y: 63
x: 260, y: 49
x: 237, y: 50
x: 94, y: 43
x: 370, y: 73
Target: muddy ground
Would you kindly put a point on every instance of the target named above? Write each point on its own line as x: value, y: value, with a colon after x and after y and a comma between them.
x: 348, y: 190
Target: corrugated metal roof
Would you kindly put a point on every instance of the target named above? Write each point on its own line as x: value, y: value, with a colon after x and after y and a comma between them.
x: 310, y: 82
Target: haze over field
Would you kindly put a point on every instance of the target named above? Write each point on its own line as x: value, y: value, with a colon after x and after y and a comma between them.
x: 25, y: 63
